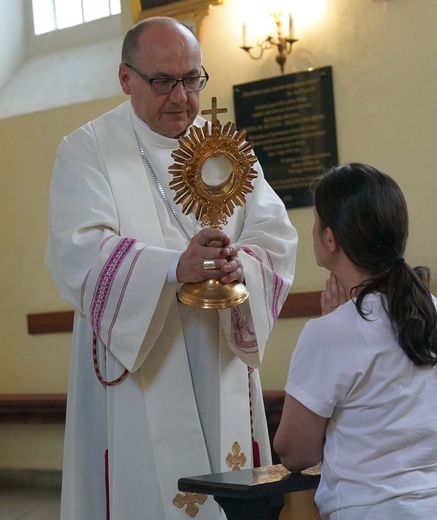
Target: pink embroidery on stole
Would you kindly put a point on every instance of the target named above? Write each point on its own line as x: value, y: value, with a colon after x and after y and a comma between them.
x: 106, y: 279
x: 278, y: 282
x: 244, y: 337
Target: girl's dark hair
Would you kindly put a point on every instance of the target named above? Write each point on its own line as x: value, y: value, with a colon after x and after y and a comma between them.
x: 367, y: 212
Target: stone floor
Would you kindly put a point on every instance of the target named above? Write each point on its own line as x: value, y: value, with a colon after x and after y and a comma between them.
x: 42, y: 503
x: 29, y: 503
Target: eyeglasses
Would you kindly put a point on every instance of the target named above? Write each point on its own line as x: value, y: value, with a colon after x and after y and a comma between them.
x: 167, y: 85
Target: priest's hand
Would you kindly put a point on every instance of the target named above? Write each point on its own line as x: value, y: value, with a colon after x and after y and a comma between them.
x: 333, y: 295
x: 202, y: 262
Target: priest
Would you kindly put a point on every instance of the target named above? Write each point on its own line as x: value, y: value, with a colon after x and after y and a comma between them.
x: 158, y: 389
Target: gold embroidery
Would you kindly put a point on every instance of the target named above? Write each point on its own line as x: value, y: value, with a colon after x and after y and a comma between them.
x: 189, y: 500
x: 236, y: 459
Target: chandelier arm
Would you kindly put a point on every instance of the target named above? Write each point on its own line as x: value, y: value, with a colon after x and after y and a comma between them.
x: 248, y: 50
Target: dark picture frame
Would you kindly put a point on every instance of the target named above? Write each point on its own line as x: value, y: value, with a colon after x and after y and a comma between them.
x: 191, y: 12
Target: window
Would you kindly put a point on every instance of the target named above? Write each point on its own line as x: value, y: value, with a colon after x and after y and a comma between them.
x: 50, y: 15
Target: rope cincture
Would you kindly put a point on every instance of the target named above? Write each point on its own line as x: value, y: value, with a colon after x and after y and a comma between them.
x: 97, y: 369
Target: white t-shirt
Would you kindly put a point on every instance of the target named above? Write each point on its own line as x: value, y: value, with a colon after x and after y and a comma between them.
x: 380, y: 455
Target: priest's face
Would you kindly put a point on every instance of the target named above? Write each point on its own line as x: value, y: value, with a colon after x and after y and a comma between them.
x: 164, y: 52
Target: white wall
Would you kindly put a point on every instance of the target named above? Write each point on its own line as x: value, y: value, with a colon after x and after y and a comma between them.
x: 384, y: 71
x: 12, y: 29
x: 75, y: 65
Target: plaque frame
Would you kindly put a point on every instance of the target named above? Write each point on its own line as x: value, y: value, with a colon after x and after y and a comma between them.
x: 191, y: 11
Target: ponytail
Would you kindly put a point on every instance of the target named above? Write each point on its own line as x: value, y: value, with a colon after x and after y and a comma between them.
x: 367, y: 212
x: 410, y: 308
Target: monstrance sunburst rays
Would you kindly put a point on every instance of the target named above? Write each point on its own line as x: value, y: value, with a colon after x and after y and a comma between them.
x: 212, y: 174
x: 212, y: 204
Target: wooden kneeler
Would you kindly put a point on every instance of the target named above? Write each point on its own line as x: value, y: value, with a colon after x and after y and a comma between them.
x: 255, y: 494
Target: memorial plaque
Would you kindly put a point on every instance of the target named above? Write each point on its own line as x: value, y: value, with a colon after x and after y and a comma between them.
x: 291, y: 121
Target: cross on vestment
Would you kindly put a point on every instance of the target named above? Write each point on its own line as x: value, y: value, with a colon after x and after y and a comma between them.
x: 214, y: 111
x: 237, y: 459
x: 189, y: 500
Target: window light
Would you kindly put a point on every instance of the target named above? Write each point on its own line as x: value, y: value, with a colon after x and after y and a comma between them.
x: 50, y: 15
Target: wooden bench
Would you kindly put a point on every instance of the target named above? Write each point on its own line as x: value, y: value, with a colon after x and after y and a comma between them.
x: 51, y: 407
x: 33, y: 408
x: 255, y: 494
x: 263, y: 488
x: 297, y: 305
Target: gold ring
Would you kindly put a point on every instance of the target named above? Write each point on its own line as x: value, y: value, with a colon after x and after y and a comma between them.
x: 209, y: 264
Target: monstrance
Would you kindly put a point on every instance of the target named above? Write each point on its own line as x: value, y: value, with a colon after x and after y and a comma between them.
x: 212, y: 173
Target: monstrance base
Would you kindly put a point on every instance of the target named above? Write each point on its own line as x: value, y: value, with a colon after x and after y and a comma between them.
x: 212, y: 294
